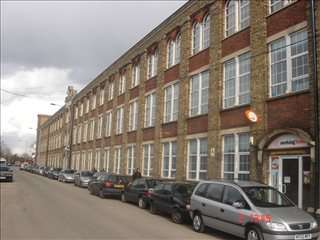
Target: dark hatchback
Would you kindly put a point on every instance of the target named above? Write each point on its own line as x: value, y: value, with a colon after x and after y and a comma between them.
x: 54, y: 173
x: 139, y: 191
x: 108, y: 185
x: 172, y: 198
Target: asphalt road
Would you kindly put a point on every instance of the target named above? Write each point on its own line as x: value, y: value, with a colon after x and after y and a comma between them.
x: 34, y: 207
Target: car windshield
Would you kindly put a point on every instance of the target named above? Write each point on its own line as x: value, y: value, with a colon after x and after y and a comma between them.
x: 267, y: 197
x: 86, y: 174
x: 4, y: 169
x: 69, y: 171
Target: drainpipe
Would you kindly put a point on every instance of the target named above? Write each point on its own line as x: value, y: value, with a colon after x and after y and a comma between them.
x: 316, y: 108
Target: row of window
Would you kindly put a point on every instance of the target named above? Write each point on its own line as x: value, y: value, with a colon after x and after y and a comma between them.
x: 288, y: 68
x: 236, y: 159
x: 237, y: 17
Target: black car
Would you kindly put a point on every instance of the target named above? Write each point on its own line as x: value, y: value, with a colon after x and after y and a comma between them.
x: 172, y: 198
x: 139, y: 191
x: 108, y: 185
x: 54, y: 173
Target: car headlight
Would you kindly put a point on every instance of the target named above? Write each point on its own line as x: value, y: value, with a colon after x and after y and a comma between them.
x: 314, y: 224
x: 276, y: 226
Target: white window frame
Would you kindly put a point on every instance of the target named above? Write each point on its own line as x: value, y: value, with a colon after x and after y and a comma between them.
x: 87, y: 105
x: 236, y: 61
x: 152, y: 63
x: 289, y: 58
x: 175, y: 91
x: 85, y: 132
x: 237, y: 154
x: 122, y: 84
x: 174, y: 51
x: 91, y: 129
x: 93, y: 101
x: 99, y: 126
x: 108, y: 123
x: 133, y: 115
x: 199, y: 112
x: 150, y: 159
x: 150, y: 111
x: 198, y: 156
x: 170, y: 158
x: 284, y: 2
x: 101, y: 96
x: 131, y: 157
x: 135, y: 76
x: 79, y: 138
x: 119, y: 120
x: 106, y: 162
x: 202, y: 39
x: 117, y: 160
x: 238, y: 17
x: 110, y: 90
x: 97, y: 159
x: 81, y: 109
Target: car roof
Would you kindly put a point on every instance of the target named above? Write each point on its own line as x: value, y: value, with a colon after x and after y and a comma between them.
x: 240, y: 183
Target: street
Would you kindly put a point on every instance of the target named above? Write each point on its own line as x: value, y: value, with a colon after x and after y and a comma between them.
x: 34, y: 207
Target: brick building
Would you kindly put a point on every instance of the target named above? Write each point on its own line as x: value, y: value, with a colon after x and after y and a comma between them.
x: 174, y: 105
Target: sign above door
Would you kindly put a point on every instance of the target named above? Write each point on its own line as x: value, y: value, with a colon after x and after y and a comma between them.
x: 286, y: 141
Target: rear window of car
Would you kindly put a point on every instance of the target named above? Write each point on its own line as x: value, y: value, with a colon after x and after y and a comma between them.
x: 152, y: 183
x: 86, y: 174
x: 214, y: 191
x: 69, y: 171
x: 184, y: 189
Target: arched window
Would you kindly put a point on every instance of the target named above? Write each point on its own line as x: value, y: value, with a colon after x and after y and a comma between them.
x: 206, y: 32
x: 196, y: 33
x: 173, y: 48
x: 201, y: 35
x: 237, y: 16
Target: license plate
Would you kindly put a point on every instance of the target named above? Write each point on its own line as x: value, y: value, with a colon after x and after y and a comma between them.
x: 2, y: 177
x: 118, y: 186
x: 302, y: 236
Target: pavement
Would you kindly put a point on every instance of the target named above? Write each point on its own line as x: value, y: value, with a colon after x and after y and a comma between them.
x: 34, y: 207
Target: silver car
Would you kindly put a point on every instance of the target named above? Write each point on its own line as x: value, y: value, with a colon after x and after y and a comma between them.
x: 249, y: 210
x: 82, y: 178
x: 66, y: 176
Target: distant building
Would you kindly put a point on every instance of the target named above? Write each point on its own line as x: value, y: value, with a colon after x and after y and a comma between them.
x: 220, y: 89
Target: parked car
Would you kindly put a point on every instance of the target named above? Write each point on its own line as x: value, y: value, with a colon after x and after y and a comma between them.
x: 66, y: 176
x: 139, y: 191
x: 172, y: 198
x: 54, y: 173
x: 6, y: 174
x: 249, y: 210
x: 108, y: 185
x: 82, y: 178
x: 46, y: 171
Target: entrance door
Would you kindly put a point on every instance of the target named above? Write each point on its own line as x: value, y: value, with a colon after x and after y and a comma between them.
x: 290, y: 178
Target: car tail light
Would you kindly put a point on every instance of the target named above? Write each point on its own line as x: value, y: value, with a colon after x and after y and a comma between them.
x: 108, y: 184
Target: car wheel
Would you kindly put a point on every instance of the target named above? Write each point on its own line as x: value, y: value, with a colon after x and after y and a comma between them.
x: 123, y: 197
x: 141, y: 203
x: 176, y: 217
x: 254, y: 233
x: 153, y: 208
x: 101, y: 195
x: 197, y: 223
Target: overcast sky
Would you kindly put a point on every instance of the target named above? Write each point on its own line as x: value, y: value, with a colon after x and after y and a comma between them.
x: 46, y: 46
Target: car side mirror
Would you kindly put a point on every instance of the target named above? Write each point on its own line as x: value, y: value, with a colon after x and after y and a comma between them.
x: 238, y: 205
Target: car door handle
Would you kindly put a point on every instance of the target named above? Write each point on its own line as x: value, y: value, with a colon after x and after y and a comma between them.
x: 203, y: 204
x: 221, y: 210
